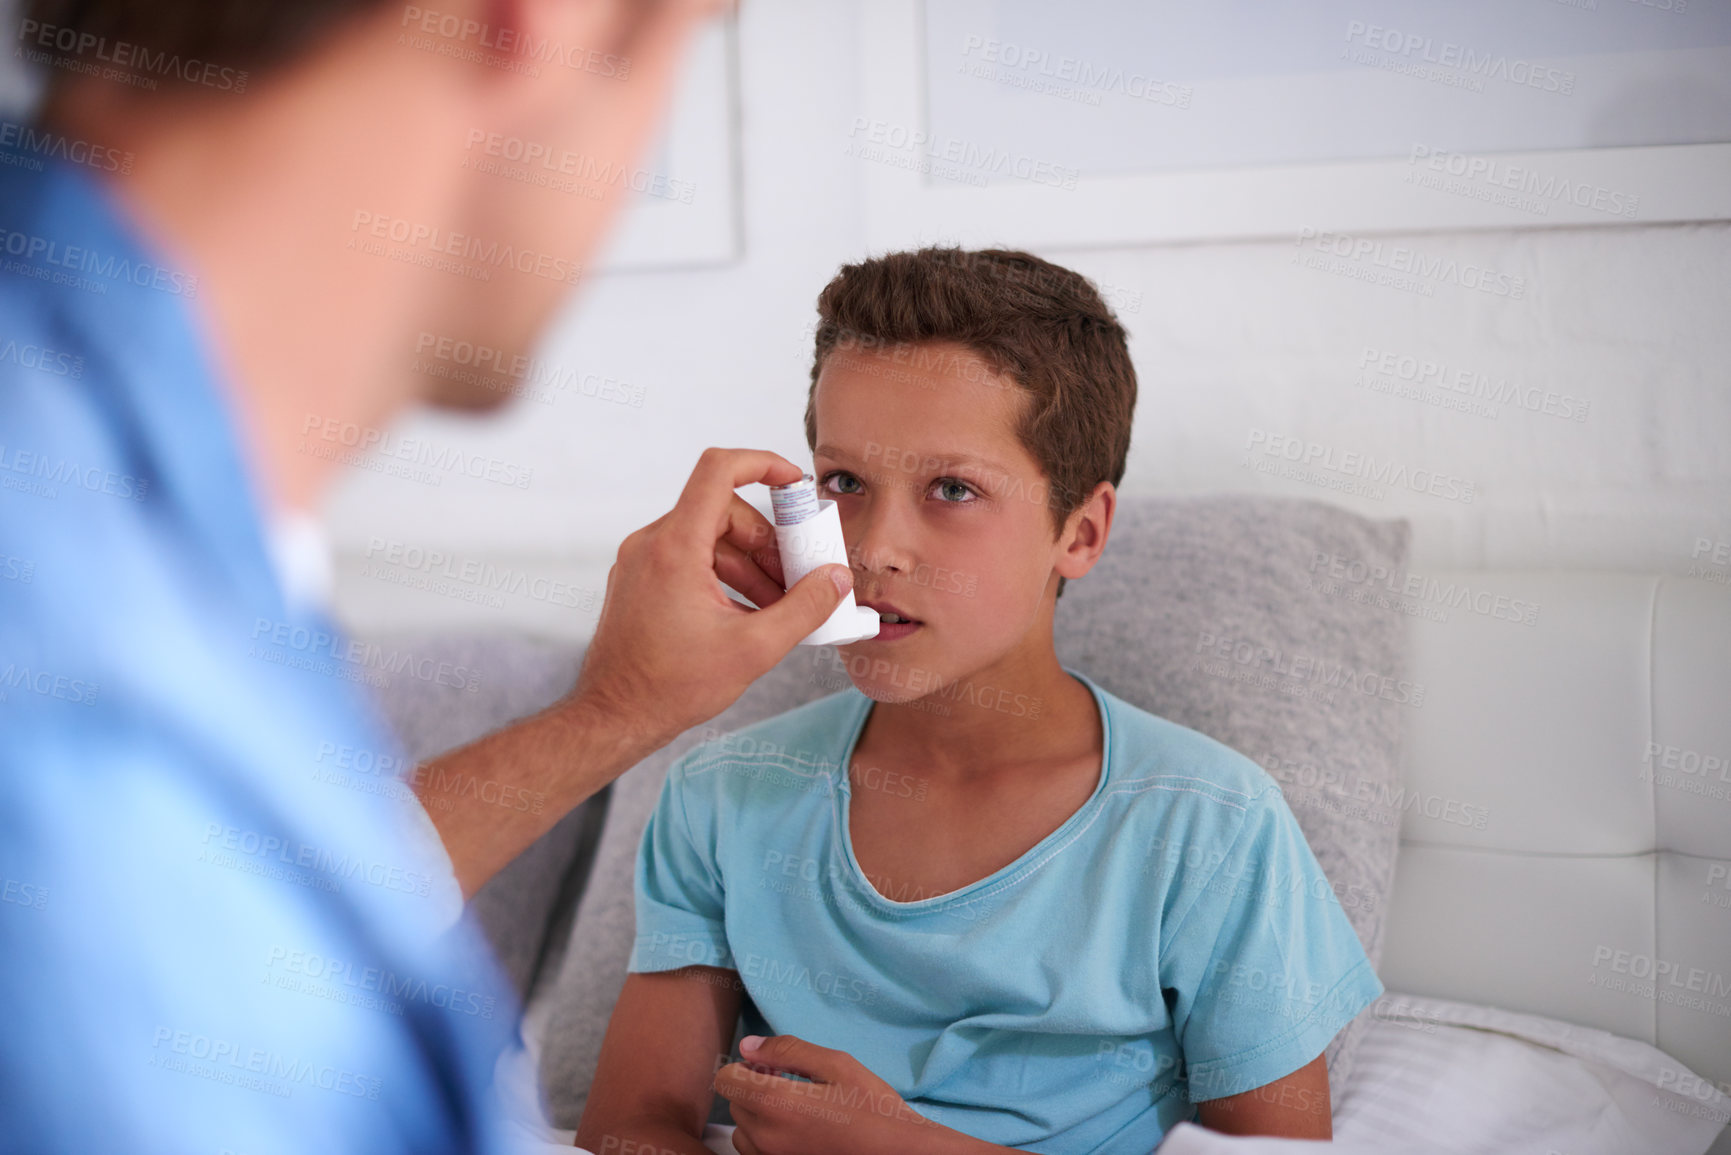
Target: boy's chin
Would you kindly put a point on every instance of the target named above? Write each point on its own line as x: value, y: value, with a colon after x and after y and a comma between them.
x: 888, y: 695
x: 893, y: 691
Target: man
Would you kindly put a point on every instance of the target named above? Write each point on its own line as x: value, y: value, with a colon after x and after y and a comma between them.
x: 222, y: 241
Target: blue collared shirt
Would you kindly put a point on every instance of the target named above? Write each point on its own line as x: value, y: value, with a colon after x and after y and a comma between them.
x: 213, y: 936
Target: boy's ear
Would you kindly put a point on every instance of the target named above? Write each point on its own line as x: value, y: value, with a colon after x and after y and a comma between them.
x: 1085, y: 532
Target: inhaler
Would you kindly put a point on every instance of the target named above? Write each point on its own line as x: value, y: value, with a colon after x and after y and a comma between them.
x: 808, y: 534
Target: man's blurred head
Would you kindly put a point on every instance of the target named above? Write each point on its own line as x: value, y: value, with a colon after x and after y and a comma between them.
x: 240, y: 34
x: 471, y: 153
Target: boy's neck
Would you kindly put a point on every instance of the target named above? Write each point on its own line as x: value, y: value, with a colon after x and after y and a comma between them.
x: 1018, y: 710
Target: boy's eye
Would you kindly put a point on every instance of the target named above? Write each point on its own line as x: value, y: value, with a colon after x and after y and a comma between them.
x: 954, y: 492
x: 839, y: 475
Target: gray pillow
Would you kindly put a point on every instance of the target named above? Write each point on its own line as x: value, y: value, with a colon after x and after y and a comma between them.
x: 1234, y: 568
x: 1254, y: 620
x: 524, y: 910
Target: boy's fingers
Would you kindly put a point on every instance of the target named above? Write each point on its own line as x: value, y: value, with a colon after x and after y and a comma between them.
x: 792, y: 1053
x: 805, y: 607
x: 745, y: 1088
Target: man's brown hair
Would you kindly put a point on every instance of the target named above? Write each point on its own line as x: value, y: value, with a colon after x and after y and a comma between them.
x: 1041, y: 326
x: 253, y: 34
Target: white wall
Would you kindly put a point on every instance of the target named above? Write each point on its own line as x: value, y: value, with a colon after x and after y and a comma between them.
x: 1228, y: 338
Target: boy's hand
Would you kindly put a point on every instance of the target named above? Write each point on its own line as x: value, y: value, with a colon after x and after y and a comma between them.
x: 671, y: 649
x: 845, y: 1110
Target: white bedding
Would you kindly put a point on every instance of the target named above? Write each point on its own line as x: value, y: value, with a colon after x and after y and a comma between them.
x: 1431, y: 1076
x: 1438, y: 1076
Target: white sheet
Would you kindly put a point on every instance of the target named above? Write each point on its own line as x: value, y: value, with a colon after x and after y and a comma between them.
x: 1432, y: 1077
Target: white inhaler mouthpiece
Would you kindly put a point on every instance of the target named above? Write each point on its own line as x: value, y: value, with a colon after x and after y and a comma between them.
x: 808, y: 535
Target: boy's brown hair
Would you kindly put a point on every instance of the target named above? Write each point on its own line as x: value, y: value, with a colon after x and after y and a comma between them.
x: 1041, y: 326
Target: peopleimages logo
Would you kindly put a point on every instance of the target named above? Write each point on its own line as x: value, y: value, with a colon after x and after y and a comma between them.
x: 128, y: 57
x: 46, y: 683
x: 512, y: 43
x: 418, y: 568
x: 1353, y: 471
x: 485, y: 255
x: 1070, y: 77
x: 1676, y: 982
x: 1328, y: 572
x: 340, y: 980
x: 415, y: 451
x: 49, y: 255
x: 784, y: 976
x: 1371, y: 259
x: 1495, y: 180
x: 42, y: 359
x: 29, y: 145
x: 951, y: 157
x: 40, y: 475
x: 1252, y: 877
x: 23, y: 894
x: 346, y: 867
x: 300, y: 640
x: 1308, y: 668
x: 1469, y: 62
x: 1386, y: 800
x: 224, y: 1061
x: 583, y: 170
x: 538, y: 379
x: 1423, y: 372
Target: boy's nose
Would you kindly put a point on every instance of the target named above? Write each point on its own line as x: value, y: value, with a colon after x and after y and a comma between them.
x: 875, y: 535
x: 873, y: 551
x: 874, y: 558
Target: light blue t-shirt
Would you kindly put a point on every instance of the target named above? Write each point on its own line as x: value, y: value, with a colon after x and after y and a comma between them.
x: 1172, y: 941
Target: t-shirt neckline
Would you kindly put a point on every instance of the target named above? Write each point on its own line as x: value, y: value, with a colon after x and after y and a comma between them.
x: 1007, y: 875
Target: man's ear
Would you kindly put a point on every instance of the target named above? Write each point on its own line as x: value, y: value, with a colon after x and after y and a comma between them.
x: 1086, y: 531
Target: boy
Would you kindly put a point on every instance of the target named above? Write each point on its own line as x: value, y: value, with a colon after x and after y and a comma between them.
x: 1028, y: 915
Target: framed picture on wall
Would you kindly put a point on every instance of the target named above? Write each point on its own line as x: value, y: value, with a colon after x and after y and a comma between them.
x: 1112, y: 122
x: 685, y: 208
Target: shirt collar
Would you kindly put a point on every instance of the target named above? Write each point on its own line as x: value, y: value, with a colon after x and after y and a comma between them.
x: 301, y: 552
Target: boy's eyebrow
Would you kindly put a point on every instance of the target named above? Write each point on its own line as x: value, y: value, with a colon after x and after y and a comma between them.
x: 933, y: 459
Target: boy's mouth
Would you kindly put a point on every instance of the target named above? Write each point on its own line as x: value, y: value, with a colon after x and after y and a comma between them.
x: 893, y: 622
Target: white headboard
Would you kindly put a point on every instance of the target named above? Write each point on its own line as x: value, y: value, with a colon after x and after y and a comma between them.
x: 1594, y: 743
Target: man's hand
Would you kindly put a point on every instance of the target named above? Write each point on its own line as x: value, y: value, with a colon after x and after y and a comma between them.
x: 671, y: 649
x: 845, y: 1110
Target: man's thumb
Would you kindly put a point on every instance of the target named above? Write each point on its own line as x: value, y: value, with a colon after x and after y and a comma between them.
x: 805, y: 607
